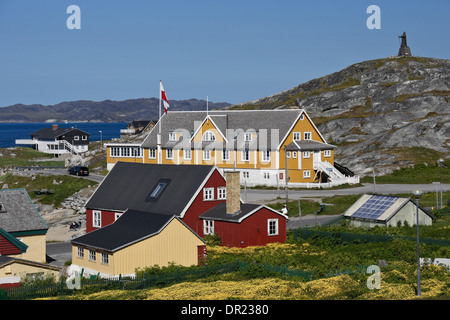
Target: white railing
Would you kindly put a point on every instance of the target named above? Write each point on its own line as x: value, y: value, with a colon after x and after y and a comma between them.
x: 330, y: 170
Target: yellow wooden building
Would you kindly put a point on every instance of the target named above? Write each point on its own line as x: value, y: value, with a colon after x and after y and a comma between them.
x: 137, y: 240
x: 257, y: 142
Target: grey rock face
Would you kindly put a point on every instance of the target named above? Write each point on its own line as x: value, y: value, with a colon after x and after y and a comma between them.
x: 371, y: 108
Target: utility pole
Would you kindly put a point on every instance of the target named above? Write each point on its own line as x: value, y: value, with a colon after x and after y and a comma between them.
x: 286, y: 177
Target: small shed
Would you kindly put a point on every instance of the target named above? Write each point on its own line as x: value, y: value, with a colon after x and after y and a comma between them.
x: 138, y: 239
x: 390, y: 211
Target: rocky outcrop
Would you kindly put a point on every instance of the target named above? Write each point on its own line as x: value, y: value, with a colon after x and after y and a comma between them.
x: 372, y: 109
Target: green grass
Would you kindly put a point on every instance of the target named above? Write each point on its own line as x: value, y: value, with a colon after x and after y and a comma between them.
x: 23, y: 157
x: 418, y: 174
x: 67, y: 186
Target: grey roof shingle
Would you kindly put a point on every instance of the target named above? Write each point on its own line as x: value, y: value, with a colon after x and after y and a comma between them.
x: 21, y: 214
x: 50, y: 133
x: 271, y: 126
x: 131, y: 227
x: 219, y: 212
x: 128, y: 186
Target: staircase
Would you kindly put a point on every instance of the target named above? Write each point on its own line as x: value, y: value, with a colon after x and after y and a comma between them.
x: 329, y: 169
x: 336, y: 176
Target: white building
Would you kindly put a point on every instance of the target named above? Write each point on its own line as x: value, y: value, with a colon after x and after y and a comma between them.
x: 389, y: 211
x: 58, y: 141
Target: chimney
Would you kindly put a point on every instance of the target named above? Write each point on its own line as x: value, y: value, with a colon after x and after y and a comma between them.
x: 54, y: 126
x: 233, y: 192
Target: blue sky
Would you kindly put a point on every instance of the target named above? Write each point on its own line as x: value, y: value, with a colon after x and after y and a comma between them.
x: 231, y: 51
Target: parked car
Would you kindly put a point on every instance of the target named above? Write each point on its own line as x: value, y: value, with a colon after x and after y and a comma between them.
x: 79, y: 171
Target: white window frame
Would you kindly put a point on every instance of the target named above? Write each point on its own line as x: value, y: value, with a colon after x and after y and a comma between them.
x: 221, y: 193
x: 307, y: 135
x: 187, y: 154
x: 327, y: 153
x: 208, y: 227
x: 84, y: 138
x: 294, y: 154
x: 265, y: 156
x: 152, y: 153
x: 306, y: 154
x: 76, y: 138
x: 92, y: 255
x: 80, y: 252
x: 96, y: 218
x: 225, y: 155
x: 209, y: 136
x: 206, y: 154
x: 272, y: 227
x: 288, y: 154
x: 266, y: 175
x: 172, y: 136
x: 117, y: 215
x: 245, y: 155
x: 169, y: 153
x: 104, y: 258
x: 296, y: 135
x: 245, y: 174
x: 306, y: 174
x: 248, y: 137
x: 208, y: 194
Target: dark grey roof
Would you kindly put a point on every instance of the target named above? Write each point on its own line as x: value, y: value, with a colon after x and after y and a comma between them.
x: 229, y: 122
x: 307, y: 145
x: 5, y: 260
x: 219, y: 212
x: 50, y: 133
x: 21, y: 214
x: 131, y: 227
x: 128, y: 186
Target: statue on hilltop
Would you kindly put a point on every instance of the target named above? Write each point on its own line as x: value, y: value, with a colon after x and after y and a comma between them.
x: 404, y: 50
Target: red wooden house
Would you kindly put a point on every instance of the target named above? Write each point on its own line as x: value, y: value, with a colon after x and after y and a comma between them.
x: 199, y: 195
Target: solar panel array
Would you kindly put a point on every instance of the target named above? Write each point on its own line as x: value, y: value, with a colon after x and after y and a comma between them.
x: 374, y: 207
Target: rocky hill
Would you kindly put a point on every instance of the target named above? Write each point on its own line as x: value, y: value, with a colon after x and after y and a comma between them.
x: 99, y: 111
x: 382, y: 114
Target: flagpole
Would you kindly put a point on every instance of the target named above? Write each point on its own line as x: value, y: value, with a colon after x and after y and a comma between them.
x: 159, y: 132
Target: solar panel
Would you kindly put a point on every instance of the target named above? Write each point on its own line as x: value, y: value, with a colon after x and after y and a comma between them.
x: 374, y: 207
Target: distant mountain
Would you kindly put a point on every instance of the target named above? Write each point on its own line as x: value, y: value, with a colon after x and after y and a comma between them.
x: 101, y: 111
x: 382, y: 114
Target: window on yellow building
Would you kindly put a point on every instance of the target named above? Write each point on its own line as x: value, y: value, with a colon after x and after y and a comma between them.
x: 169, y: 153
x: 209, y: 136
x: 206, y: 154
x: 225, y: 155
x: 80, y: 252
x: 92, y: 255
x: 187, y: 154
x: 265, y: 155
x: 104, y: 258
x: 246, y: 155
x: 307, y: 136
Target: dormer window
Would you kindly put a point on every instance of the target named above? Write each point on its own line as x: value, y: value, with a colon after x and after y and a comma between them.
x: 248, y: 137
x: 172, y: 136
x: 209, y: 136
x: 2, y: 207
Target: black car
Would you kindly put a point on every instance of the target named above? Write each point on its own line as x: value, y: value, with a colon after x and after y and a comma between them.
x: 79, y: 171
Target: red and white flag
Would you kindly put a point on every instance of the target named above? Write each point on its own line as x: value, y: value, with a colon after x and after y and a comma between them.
x: 164, y: 97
